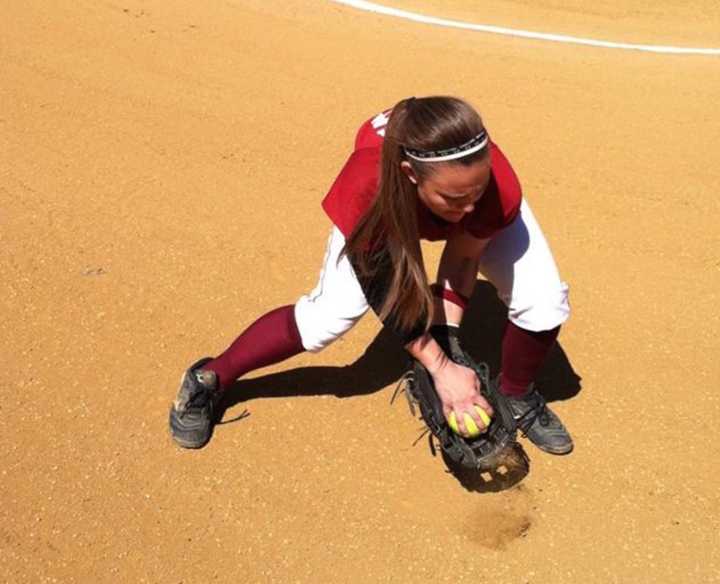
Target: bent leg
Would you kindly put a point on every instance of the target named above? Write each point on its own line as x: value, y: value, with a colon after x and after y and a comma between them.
x: 317, y: 319
x: 519, y: 263
x: 523, y: 270
x: 523, y: 354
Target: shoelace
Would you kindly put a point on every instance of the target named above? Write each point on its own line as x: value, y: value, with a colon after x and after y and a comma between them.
x: 538, y: 410
x: 196, y: 399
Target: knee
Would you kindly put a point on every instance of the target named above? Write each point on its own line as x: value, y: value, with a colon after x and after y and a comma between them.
x: 541, y: 311
x: 319, y: 326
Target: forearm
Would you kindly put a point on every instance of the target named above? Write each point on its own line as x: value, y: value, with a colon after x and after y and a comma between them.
x: 428, y: 352
x: 456, y: 277
x: 457, y: 271
x: 449, y: 305
x: 457, y: 385
x: 458, y: 274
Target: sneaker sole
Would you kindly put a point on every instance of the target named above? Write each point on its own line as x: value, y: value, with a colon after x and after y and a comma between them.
x: 557, y: 451
x: 187, y: 444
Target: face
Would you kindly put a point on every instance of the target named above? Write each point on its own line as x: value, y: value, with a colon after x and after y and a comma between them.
x: 452, y: 190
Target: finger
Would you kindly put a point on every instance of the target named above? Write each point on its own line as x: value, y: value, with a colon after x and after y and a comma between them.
x: 452, y: 421
x: 474, y: 427
x: 481, y: 401
x: 471, y: 427
x: 479, y: 417
x: 485, y: 405
x: 462, y: 428
x: 474, y: 421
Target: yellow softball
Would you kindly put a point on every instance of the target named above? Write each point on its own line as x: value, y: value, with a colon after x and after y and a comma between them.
x: 470, y: 424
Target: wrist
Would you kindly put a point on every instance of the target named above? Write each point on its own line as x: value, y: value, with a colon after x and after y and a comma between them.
x: 447, y: 294
x: 429, y: 353
x: 449, y: 305
x: 439, y: 363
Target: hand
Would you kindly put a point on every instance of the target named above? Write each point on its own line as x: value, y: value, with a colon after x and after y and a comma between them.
x: 459, y: 390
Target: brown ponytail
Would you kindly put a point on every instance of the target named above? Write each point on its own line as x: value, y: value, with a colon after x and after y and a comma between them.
x: 430, y: 123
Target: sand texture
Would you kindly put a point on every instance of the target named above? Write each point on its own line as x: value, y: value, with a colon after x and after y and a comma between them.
x: 161, y: 169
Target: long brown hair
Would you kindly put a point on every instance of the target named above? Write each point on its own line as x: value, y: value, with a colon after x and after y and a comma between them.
x: 429, y: 123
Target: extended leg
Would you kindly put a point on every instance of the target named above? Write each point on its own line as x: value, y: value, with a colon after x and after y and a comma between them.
x: 272, y: 338
x: 315, y: 321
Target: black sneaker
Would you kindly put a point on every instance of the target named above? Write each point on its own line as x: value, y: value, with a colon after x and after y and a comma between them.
x: 192, y: 414
x: 539, y: 423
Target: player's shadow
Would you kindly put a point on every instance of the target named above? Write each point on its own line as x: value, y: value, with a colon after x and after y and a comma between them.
x: 384, y: 362
x: 481, y: 335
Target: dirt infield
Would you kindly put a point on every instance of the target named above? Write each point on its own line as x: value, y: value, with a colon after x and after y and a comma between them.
x: 161, y: 168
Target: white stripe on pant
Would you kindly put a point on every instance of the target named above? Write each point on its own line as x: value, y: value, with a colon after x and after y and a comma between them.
x: 517, y: 261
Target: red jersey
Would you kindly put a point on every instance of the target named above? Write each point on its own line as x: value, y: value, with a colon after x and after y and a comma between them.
x: 356, y: 187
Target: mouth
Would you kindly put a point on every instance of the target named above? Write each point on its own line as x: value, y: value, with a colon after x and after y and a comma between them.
x: 455, y: 216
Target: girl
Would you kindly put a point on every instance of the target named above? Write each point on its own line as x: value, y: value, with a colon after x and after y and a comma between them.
x: 426, y: 169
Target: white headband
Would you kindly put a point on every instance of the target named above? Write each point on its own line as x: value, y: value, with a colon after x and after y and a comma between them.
x: 470, y: 147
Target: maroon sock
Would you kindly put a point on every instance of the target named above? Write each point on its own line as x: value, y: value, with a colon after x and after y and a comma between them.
x: 523, y: 354
x: 272, y: 338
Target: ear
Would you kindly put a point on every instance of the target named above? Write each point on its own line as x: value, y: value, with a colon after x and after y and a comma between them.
x: 409, y: 172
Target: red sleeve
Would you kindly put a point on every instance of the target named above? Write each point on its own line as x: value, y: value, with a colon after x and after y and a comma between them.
x: 371, y: 133
x: 500, y: 204
x: 354, y: 189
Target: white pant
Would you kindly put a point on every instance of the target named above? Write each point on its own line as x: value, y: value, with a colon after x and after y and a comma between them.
x: 517, y: 261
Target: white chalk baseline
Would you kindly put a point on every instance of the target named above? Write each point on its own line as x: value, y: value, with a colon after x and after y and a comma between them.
x: 528, y: 34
